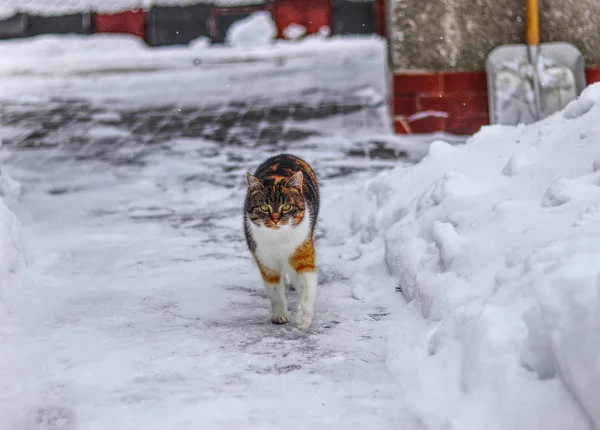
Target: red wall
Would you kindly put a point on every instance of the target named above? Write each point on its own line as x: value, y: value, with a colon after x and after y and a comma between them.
x: 457, y: 102
x: 128, y: 22
x: 453, y: 102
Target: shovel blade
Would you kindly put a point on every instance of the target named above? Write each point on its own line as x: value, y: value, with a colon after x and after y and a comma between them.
x: 521, y: 93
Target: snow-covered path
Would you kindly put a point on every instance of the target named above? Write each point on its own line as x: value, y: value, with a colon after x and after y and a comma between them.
x: 143, y: 309
x: 149, y: 326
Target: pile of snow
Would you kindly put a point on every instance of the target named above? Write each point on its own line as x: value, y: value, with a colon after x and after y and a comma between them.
x: 294, y: 31
x: 324, y: 31
x: 59, y: 55
x: 40, y: 68
x: 497, y: 244
x: 256, y: 30
x: 50, y: 46
x: 297, y: 31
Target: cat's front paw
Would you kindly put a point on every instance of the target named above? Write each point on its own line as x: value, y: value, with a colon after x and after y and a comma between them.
x: 280, y: 318
x: 303, y: 321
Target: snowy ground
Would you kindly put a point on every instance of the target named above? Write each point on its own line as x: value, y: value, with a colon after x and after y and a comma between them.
x: 141, y: 307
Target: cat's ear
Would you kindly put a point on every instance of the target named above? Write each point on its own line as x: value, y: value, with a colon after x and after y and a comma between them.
x: 253, y: 182
x: 295, y: 181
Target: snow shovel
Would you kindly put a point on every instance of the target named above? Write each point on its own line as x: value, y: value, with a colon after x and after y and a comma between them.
x: 527, y: 83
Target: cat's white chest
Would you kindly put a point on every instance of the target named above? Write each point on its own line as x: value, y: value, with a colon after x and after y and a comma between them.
x: 275, y: 247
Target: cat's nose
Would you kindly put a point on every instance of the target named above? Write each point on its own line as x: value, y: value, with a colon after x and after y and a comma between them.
x: 275, y: 217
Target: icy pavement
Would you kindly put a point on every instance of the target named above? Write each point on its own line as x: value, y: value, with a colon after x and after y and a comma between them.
x: 142, y: 309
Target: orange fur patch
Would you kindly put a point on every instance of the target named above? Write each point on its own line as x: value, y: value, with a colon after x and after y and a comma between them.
x: 268, y: 275
x: 297, y: 219
x: 303, y: 259
x: 308, y: 169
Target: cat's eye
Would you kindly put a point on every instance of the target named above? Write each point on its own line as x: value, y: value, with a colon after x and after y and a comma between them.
x: 264, y: 208
x: 286, y: 207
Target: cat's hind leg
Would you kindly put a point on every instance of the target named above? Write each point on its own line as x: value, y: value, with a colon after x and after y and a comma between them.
x: 289, y: 283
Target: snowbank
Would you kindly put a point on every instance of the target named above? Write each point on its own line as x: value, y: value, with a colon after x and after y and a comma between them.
x: 41, y: 68
x: 60, y: 55
x: 256, y: 30
x: 497, y: 244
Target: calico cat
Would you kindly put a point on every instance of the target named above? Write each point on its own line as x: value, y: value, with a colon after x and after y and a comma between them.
x: 280, y: 214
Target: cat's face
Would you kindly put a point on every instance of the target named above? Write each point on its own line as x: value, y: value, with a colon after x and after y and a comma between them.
x: 276, y: 205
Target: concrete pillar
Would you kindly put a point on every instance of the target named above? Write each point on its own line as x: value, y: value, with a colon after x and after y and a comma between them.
x: 574, y: 21
x: 457, y: 35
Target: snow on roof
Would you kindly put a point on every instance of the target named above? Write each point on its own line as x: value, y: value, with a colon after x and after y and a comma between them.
x: 233, y: 3
x: 59, y: 7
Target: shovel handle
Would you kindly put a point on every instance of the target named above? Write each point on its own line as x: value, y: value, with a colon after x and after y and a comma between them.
x: 533, y: 22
